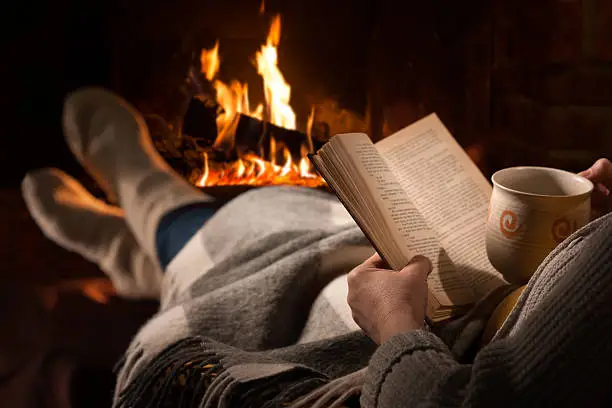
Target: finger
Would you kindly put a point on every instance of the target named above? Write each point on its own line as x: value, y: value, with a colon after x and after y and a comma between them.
x: 419, y: 265
x: 375, y: 262
x: 600, y: 172
x: 585, y: 173
x: 601, y: 200
x: 602, y: 189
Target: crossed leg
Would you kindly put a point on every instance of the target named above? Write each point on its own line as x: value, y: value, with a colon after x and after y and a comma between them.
x: 75, y: 220
x: 111, y: 140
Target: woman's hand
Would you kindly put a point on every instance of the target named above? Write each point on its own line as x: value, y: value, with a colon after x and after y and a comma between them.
x: 600, y: 174
x: 386, y: 302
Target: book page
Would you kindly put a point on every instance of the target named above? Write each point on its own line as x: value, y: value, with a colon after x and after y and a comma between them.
x: 449, y: 191
x: 405, y: 225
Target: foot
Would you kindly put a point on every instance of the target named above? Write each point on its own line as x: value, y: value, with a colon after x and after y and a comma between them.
x: 104, y: 131
x: 71, y: 217
x: 112, y: 141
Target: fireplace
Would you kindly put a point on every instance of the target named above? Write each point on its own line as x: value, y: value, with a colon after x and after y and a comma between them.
x: 257, y: 140
x: 516, y: 82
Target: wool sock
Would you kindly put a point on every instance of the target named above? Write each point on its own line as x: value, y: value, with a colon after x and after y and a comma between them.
x: 111, y: 140
x: 71, y: 217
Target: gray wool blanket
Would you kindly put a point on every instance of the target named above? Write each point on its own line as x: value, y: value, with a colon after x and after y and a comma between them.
x: 254, y: 312
x: 254, y: 308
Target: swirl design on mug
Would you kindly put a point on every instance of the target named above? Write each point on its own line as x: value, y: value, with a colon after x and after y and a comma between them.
x: 562, y: 228
x: 508, y: 224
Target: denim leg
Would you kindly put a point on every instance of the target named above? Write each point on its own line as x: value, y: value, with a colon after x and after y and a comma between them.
x: 177, y: 227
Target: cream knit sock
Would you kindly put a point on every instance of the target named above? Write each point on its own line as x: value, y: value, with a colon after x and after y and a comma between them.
x: 112, y: 141
x: 69, y: 215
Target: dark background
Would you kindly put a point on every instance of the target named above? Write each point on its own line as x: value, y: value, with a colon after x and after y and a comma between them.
x: 51, y: 48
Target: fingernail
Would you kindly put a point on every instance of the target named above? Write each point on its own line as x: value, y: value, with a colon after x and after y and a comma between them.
x: 586, y: 173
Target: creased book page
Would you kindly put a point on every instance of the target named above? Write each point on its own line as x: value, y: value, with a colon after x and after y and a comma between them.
x: 449, y: 191
x: 406, y: 225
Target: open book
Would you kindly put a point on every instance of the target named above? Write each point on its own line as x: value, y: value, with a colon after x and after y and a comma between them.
x: 417, y: 192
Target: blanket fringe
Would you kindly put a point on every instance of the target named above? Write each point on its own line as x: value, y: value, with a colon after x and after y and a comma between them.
x: 187, y: 374
x: 181, y: 373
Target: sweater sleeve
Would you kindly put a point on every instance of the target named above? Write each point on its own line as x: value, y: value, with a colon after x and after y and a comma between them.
x: 535, y: 368
x: 558, y: 352
x: 405, y: 369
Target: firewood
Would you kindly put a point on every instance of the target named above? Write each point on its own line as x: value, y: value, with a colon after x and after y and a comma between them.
x: 251, y: 134
x: 200, y: 122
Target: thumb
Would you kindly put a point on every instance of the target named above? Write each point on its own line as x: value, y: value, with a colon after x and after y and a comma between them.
x: 419, y: 265
x: 375, y: 262
x: 600, y: 172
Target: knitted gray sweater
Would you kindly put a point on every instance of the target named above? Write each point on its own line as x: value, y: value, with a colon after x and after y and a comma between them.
x: 554, y: 349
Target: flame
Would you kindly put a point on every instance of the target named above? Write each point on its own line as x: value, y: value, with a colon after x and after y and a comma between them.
x: 276, y: 90
x: 304, y: 166
x: 288, y: 166
x: 309, y: 127
x: 210, y: 62
x: 99, y: 290
x: 250, y: 168
x: 234, y: 99
x: 202, y: 181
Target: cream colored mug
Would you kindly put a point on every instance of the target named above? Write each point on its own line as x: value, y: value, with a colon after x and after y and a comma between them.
x: 532, y: 210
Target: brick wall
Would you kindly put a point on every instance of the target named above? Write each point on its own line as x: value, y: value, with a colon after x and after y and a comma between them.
x: 551, y: 81
x: 529, y: 80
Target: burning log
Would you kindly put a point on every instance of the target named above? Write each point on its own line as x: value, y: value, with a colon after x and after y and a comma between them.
x: 243, y: 146
x: 250, y: 135
x: 253, y: 153
x: 200, y: 120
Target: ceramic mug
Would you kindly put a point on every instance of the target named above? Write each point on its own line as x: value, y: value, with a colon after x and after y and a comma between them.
x: 532, y: 210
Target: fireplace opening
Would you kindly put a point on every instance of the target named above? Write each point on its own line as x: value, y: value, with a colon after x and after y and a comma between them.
x: 252, y: 145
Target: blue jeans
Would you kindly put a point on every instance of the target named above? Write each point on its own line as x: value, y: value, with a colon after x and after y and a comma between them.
x: 177, y: 227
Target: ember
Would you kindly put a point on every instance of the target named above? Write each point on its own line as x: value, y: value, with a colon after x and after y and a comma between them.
x: 278, y: 166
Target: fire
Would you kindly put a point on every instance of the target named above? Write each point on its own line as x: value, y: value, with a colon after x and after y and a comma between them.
x: 250, y: 168
x: 210, y: 62
x: 277, y: 90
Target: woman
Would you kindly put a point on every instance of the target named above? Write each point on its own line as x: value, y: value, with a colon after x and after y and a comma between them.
x: 253, y: 310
